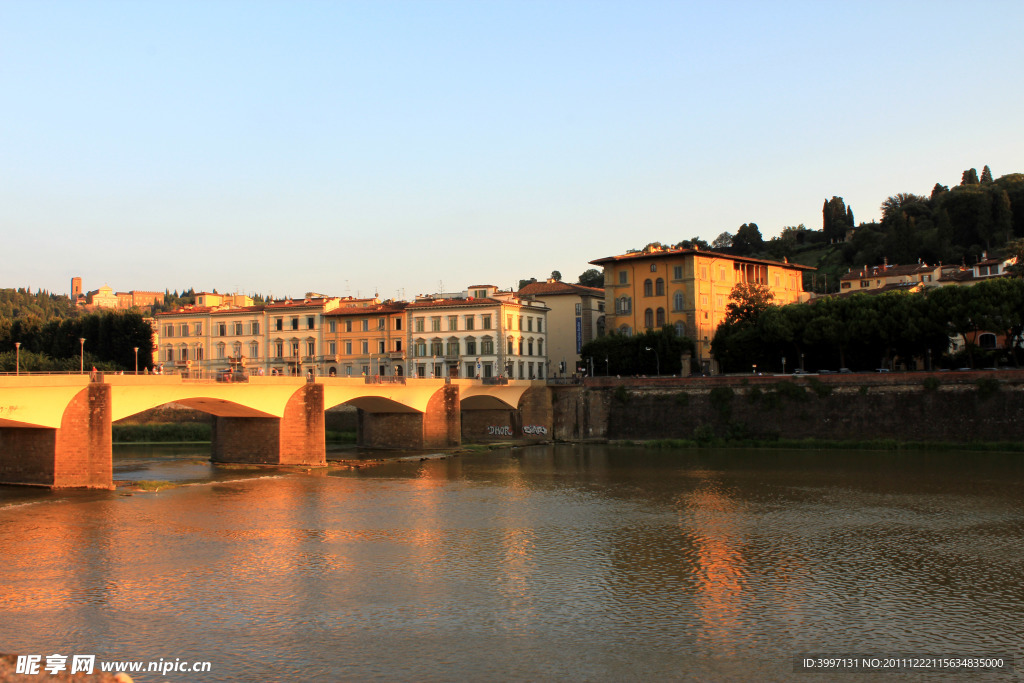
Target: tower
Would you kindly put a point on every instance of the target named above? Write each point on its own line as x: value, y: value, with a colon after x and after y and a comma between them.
x: 76, y: 288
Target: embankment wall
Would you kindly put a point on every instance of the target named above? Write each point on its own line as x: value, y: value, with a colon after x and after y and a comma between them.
x: 957, y: 407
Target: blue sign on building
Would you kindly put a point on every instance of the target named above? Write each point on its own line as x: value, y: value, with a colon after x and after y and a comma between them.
x: 579, y: 334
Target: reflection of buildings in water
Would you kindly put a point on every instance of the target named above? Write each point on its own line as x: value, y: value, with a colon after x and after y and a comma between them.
x: 713, y: 520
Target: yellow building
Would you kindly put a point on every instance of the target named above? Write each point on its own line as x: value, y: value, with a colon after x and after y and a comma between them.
x: 688, y: 289
x: 366, y: 337
x: 576, y: 317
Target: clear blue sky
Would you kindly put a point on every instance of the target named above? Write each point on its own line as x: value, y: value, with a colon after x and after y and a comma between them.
x: 353, y: 147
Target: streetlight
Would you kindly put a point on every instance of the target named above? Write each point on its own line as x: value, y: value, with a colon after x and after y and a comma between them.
x: 81, y: 366
x: 136, y: 349
x: 657, y: 360
x: 783, y: 365
x: 17, y: 358
x: 607, y: 366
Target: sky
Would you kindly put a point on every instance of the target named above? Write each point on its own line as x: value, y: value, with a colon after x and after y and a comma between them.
x: 398, y: 148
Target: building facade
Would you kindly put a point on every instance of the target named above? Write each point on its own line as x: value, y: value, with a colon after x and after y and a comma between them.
x: 366, y: 337
x: 486, y: 334
x: 688, y: 289
x: 576, y: 316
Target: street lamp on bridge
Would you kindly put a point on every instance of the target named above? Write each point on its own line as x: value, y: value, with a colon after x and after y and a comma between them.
x: 81, y: 365
x: 657, y: 360
x: 136, y: 349
x: 17, y: 358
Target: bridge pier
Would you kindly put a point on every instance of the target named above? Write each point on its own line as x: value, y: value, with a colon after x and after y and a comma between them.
x: 439, y: 427
x: 297, y: 438
x: 76, y: 454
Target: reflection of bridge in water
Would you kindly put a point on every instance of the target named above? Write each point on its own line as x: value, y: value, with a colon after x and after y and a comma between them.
x: 55, y: 429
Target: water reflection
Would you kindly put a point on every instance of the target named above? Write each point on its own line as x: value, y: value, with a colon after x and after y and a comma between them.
x: 588, y: 563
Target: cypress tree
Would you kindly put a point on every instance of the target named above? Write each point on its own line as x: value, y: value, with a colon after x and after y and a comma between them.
x: 986, y: 175
x: 970, y: 177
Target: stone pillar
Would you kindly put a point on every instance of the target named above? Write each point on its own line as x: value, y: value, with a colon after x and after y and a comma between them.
x: 295, y: 439
x: 536, y: 413
x: 439, y: 427
x: 76, y: 455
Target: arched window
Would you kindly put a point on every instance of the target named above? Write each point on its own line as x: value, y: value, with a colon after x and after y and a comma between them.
x: 625, y: 331
x: 680, y: 329
x: 659, y: 287
x: 987, y: 341
x: 648, y: 318
x: 648, y: 290
x: 660, y: 317
x: 677, y: 301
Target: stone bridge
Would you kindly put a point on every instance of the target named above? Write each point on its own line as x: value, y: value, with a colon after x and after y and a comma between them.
x: 55, y: 430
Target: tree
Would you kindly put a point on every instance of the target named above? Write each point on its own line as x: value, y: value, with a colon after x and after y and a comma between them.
x: 592, y: 277
x: 747, y: 301
x: 970, y: 177
x: 556, y: 276
x: 986, y: 175
x: 723, y: 241
x: 692, y: 243
x: 748, y: 240
x: 523, y: 283
x: 836, y: 219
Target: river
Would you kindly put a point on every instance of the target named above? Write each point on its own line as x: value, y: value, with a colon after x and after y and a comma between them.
x: 592, y: 562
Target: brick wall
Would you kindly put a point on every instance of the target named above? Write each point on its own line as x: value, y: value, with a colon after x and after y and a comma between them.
x: 252, y: 440
x: 442, y: 423
x: 489, y: 425
x: 27, y: 455
x: 838, y: 407
x: 295, y: 439
x: 390, y: 430
x: 537, y: 415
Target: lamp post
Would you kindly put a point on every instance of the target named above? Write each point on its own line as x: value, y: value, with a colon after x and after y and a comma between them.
x: 136, y: 349
x: 17, y: 358
x: 81, y: 365
x: 657, y: 360
x: 607, y: 366
x: 783, y: 365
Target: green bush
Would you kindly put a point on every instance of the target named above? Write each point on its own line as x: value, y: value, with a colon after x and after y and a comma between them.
x: 819, y: 387
x: 621, y: 395
x: 931, y: 383
x: 987, y: 387
x: 791, y: 391
x: 721, y: 401
x: 161, y: 432
x: 682, y: 399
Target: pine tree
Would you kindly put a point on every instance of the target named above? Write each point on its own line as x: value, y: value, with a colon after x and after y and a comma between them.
x: 986, y: 175
x: 970, y: 177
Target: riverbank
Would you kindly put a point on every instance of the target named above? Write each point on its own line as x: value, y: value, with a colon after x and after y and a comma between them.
x: 828, y: 444
x: 190, y: 432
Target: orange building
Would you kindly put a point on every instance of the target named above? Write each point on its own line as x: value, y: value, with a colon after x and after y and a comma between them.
x: 687, y: 289
x: 366, y: 337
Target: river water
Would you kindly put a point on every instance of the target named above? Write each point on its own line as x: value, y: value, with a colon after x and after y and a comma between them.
x: 589, y: 563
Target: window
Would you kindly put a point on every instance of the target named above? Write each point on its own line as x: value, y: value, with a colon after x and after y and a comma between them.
x: 168, y: 331
x: 295, y: 323
x: 310, y: 322
x: 703, y: 299
x: 654, y: 267
x: 310, y: 348
x: 540, y: 324
x: 254, y: 349
x: 381, y: 346
x: 721, y: 273
x: 278, y: 349
x: 332, y: 325
x: 184, y: 353
x: 623, y: 305
x: 704, y: 273
x: 418, y: 324
x: 398, y: 323
x: 221, y: 350
x: 332, y: 348
x: 623, y: 277
x: 540, y: 347
x: 487, y: 347
x: 348, y: 348
x: 398, y: 345
x: 238, y: 329
x: 380, y: 323
x: 865, y: 283
x: 579, y: 309
x: 648, y: 288
x: 659, y: 287
x: 198, y: 353
x: 366, y: 324
x: 420, y: 349
x: 626, y: 331
x: 680, y: 329
x: 470, y: 322
x: 436, y: 347
x: 485, y: 322
x: 222, y: 330
x: 348, y: 325
x: 529, y: 347
x: 648, y: 318
x: 510, y: 346
x: 470, y: 347
x: 470, y: 370
x: 254, y: 327
x: 677, y: 272
x: 279, y: 324
x: 453, y: 348
x: 508, y: 322
x: 677, y: 301
x: 520, y: 346
x: 236, y: 350
x: 435, y: 324
x: 364, y: 346
x: 529, y: 324
x: 295, y: 349
x: 197, y: 329
x: 453, y: 323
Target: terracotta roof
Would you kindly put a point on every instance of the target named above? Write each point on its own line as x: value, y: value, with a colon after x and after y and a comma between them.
x: 396, y: 307
x: 552, y: 288
x: 640, y: 255
x: 889, y: 271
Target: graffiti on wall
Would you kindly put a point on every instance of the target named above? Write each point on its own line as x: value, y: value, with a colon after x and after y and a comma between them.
x: 499, y: 430
x: 535, y: 429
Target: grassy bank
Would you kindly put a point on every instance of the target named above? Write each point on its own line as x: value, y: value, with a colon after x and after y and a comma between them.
x: 340, y: 437
x: 851, y: 445
x: 162, y: 432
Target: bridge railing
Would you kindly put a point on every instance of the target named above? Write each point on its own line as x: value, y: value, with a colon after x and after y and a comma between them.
x: 381, y: 379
